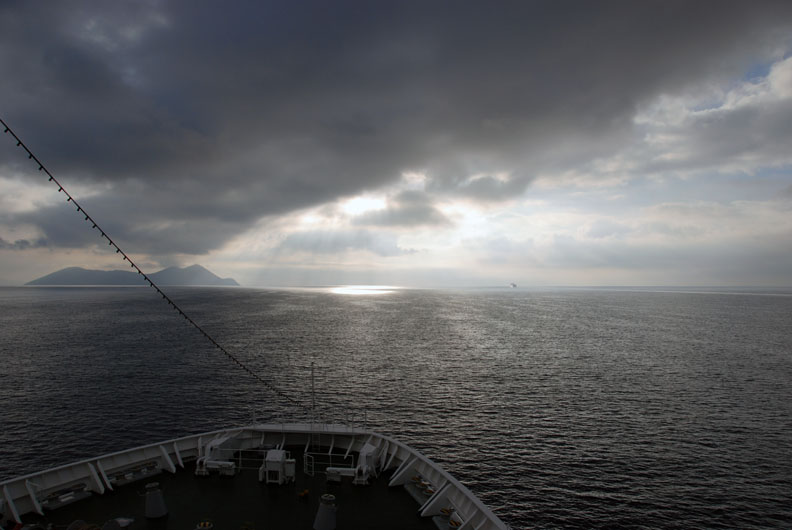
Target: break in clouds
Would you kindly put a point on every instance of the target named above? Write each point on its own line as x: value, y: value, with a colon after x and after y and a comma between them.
x: 511, y: 136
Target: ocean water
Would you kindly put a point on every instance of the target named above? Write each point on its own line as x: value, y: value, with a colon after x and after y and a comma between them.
x: 558, y: 408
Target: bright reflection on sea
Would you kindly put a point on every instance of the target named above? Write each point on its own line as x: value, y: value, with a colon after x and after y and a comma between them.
x: 363, y: 289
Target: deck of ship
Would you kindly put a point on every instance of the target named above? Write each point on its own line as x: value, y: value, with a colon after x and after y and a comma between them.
x: 405, y: 489
x: 242, y: 502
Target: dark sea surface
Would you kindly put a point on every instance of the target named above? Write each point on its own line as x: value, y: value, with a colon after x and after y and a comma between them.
x: 558, y: 408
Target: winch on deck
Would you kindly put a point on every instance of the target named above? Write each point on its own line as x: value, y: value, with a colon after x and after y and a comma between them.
x: 278, y: 467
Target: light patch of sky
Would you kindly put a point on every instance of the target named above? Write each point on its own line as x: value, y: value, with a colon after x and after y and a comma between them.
x: 498, y: 176
x: 761, y: 69
x: 310, y: 220
x: 735, y: 220
x: 21, y: 194
x: 361, y: 204
x: 20, y: 232
x: 413, y: 180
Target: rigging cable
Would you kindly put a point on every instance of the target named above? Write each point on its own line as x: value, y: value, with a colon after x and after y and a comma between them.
x: 133, y: 265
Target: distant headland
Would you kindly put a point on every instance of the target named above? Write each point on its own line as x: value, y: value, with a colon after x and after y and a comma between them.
x: 194, y: 275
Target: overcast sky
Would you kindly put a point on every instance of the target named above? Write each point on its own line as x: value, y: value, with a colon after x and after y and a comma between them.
x: 408, y: 143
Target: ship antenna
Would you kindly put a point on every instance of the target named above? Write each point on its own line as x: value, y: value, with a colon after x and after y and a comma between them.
x: 313, y: 394
x: 69, y: 198
x: 313, y: 397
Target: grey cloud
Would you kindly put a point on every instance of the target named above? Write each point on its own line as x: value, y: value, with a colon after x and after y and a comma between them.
x: 135, y: 228
x: 711, y: 263
x: 61, y: 227
x: 335, y: 242
x: 407, y: 209
x: 502, y: 250
x: 231, y: 113
x: 491, y: 189
x: 569, y: 252
x: 22, y: 244
x: 750, y: 134
x: 678, y: 232
x: 604, y: 229
x: 330, y: 276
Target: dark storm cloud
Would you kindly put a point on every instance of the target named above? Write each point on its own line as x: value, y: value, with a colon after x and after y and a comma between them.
x: 407, y: 209
x: 134, y: 229
x: 221, y: 115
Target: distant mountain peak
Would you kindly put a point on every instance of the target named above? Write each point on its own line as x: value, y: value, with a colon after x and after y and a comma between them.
x: 194, y: 275
x: 187, y: 268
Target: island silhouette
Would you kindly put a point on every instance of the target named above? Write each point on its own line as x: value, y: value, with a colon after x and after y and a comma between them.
x: 194, y: 275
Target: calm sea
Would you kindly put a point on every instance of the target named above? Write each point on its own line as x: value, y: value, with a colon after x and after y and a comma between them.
x: 559, y: 409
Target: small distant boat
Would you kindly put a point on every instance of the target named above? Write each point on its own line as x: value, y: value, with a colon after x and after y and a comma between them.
x: 512, y: 285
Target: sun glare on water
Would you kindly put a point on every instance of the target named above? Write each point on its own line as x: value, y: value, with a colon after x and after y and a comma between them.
x: 363, y: 289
